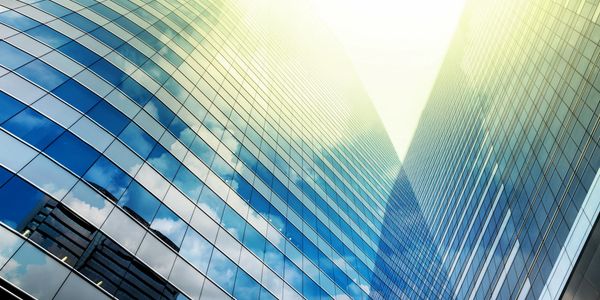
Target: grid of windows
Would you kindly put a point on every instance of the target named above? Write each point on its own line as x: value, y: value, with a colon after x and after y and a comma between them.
x: 503, y: 160
x: 168, y: 148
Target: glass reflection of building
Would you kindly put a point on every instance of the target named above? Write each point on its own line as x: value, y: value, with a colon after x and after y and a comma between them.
x: 504, y: 162
x: 179, y: 149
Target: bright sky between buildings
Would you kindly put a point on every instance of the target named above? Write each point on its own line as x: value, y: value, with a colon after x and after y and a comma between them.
x: 397, y: 48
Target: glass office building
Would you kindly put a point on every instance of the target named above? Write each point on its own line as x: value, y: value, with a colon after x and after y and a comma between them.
x: 504, y: 162
x: 181, y: 149
x: 203, y: 149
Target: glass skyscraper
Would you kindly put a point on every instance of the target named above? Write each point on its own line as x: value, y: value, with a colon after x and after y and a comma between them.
x: 203, y: 149
x: 180, y: 149
x: 504, y: 162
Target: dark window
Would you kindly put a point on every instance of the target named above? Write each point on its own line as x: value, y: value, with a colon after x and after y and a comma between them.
x: 34, y: 128
x: 73, y: 153
x: 109, y: 117
x: 20, y: 201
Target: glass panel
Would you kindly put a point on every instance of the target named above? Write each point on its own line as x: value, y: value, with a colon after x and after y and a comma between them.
x: 73, y: 153
x: 77, y: 95
x: 169, y: 227
x: 49, y: 177
x: 139, y: 203
x: 77, y: 288
x: 34, y: 272
x: 272, y: 282
x: 196, y: 250
x: 182, y: 131
x: 254, y: 241
x: 124, y: 230
x: 274, y: 258
x: 164, y: 162
x: 79, y: 53
x: 202, y: 150
x: 245, y: 287
x: 135, y: 91
x: 265, y: 295
x: 10, y: 243
x: 156, y: 255
x: 17, y: 20
x: 124, y: 157
x: 293, y: 275
x: 211, y: 203
x: 42, y: 74
x: 109, y: 117
x: 233, y: 223
x: 186, y: 278
x: 188, y: 183
x: 228, y: 245
x: 210, y: 291
x: 89, y: 204
x: 14, y: 155
x: 159, y: 111
x: 12, y: 57
x: 137, y: 139
x: 205, y: 225
x: 108, y: 71
x: 34, y: 128
x: 222, y: 270
x: 10, y: 106
x: 5, y: 175
x: 49, y: 36
x: 107, y: 178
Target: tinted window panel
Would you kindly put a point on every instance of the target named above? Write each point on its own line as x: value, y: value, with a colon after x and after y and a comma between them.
x: 107, y: 178
x: 109, y: 117
x: 12, y: 57
x: 19, y: 201
x: 140, y: 203
x: 9, y: 106
x: 73, y: 153
x: 34, y: 128
x: 77, y: 95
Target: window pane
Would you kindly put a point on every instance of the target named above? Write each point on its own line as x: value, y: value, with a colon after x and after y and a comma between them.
x: 140, y: 203
x: 188, y: 183
x: 49, y: 36
x: 34, y: 128
x: 170, y: 227
x: 42, y: 74
x: 233, y: 223
x: 187, y: 278
x: 77, y: 288
x: 10, y: 106
x: 159, y: 111
x: 77, y: 95
x: 12, y: 57
x: 156, y: 255
x: 164, y: 162
x: 10, y: 243
x: 109, y: 117
x: 49, y: 176
x: 107, y: 178
x: 245, y: 287
x: 87, y: 203
x: 34, y: 272
x: 211, y: 204
x: 222, y: 270
x: 73, y: 153
x: 137, y: 139
x: 196, y: 250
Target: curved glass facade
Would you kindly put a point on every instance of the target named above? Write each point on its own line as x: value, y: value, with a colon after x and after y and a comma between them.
x: 505, y: 160
x: 173, y: 149
x: 200, y: 149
